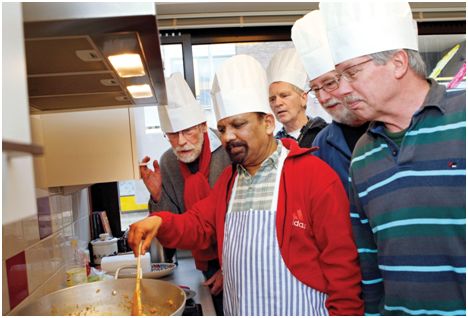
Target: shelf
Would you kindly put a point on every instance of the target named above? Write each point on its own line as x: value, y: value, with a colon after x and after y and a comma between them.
x: 15, y: 149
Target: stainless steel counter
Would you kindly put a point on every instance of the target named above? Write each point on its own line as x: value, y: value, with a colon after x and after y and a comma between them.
x: 187, y: 275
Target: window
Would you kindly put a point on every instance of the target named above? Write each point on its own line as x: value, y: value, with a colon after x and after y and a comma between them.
x: 206, y: 59
x: 445, y: 57
x: 172, y: 59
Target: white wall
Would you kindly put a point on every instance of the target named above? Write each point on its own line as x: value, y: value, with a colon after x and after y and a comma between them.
x: 15, y: 109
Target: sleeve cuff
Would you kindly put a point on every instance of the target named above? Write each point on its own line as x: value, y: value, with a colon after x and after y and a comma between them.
x: 166, y: 219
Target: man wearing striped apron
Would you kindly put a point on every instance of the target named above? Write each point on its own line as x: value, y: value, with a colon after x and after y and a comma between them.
x: 279, y: 214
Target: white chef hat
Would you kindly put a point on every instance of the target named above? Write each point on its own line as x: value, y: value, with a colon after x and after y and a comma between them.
x: 310, y: 39
x: 357, y: 28
x: 286, y: 66
x: 240, y: 86
x: 183, y: 111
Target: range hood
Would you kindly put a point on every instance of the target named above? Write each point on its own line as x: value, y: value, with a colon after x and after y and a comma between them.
x: 67, y: 48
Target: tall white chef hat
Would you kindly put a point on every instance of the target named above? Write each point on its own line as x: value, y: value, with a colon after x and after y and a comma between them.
x: 286, y: 66
x: 356, y: 28
x: 183, y: 111
x: 240, y: 86
x: 311, y: 42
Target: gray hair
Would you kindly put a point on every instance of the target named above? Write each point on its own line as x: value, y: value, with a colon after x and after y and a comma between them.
x: 299, y: 91
x: 296, y: 89
x: 416, y: 62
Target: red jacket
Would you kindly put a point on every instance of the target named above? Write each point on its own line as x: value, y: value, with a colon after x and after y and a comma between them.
x: 312, y: 224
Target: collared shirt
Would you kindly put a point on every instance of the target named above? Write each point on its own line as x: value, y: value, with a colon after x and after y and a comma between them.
x: 408, y: 211
x: 256, y: 192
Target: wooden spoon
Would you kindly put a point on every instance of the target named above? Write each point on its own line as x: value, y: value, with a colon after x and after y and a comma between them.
x: 136, y: 305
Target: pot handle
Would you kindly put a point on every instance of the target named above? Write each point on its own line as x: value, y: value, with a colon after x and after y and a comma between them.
x: 116, y: 276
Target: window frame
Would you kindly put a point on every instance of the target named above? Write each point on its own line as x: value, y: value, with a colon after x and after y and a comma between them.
x: 190, y: 37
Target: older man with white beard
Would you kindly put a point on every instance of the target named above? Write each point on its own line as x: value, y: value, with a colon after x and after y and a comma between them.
x: 336, y: 141
x: 188, y: 170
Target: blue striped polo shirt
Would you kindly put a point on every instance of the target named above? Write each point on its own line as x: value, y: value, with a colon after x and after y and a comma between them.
x: 408, y: 211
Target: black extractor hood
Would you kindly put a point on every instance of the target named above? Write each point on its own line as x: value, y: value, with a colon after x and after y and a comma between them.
x: 67, y: 48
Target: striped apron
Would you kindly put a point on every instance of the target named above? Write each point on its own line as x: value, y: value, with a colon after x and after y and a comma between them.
x: 256, y: 279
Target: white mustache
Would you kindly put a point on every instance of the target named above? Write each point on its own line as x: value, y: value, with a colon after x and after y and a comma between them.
x: 331, y: 102
x: 184, y: 148
x: 350, y: 99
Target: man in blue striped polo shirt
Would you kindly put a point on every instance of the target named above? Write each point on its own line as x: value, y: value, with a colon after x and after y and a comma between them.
x: 407, y: 174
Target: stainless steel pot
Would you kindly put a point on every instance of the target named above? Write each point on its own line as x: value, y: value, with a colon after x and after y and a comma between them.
x: 109, y: 298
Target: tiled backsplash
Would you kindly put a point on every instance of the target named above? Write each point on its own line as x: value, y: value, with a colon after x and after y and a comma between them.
x: 44, y: 217
x: 34, y: 248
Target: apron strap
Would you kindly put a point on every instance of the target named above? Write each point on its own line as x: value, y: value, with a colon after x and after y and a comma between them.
x: 281, y: 159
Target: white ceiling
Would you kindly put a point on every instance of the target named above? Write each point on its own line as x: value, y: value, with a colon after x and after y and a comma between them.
x: 206, y: 7
x: 186, y: 15
x: 180, y: 10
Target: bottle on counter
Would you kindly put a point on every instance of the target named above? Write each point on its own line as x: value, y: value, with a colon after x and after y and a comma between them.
x: 76, y: 265
x: 87, y: 260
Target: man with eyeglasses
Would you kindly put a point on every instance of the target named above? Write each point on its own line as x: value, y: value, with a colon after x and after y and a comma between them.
x: 335, y: 142
x: 279, y: 215
x: 187, y: 171
x: 288, y: 100
x: 407, y: 173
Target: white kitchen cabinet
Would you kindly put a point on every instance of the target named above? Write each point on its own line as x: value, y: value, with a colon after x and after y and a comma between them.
x: 18, y: 193
x: 85, y: 147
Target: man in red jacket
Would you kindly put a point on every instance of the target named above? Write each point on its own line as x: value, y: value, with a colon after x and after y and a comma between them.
x: 279, y: 215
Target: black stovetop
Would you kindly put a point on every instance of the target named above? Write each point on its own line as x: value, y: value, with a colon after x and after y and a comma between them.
x: 192, y: 309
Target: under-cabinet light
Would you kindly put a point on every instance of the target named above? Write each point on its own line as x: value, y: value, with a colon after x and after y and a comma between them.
x: 140, y: 91
x: 127, y: 65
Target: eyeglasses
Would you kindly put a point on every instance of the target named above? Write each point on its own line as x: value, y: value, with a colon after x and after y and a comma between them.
x: 329, y: 86
x: 350, y: 73
x: 187, y: 133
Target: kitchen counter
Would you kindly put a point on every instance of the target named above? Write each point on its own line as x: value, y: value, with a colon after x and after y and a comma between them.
x: 187, y: 275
